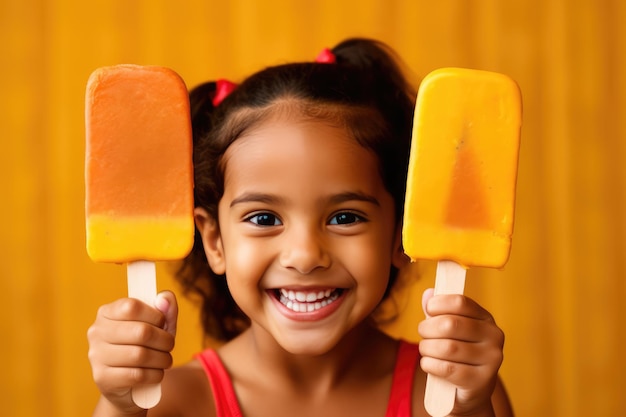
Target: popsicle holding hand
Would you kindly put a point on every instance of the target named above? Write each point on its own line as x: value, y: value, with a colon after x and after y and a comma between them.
x: 139, y: 177
x: 461, y: 183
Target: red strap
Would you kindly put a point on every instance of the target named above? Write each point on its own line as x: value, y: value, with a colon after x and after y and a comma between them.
x: 226, y: 404
x: 400, y: 400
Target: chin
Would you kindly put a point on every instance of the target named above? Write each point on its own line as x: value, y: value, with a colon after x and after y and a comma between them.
x: 307, y: 346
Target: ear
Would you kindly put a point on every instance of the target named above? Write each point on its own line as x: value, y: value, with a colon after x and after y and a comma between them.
x: 211, y: 240
x: 399, y: 259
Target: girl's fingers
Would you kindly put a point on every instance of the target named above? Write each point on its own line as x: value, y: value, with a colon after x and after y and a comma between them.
x: 459, y: 374
x: 426, y: 296
x: 166, y: 303
x: 130, y: 344
x: 456, y: 304
x: 122, y: 356
x: 133, y: 333
x: 461, y: 328
x: 454, y: 351
x: 462, y: 344
x: 131, y: 309
x: 120, y: 380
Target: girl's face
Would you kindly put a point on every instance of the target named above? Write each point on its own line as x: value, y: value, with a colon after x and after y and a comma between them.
x: 306, y: 232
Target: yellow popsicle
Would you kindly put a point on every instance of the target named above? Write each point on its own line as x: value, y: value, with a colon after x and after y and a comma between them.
x: 460, y: 194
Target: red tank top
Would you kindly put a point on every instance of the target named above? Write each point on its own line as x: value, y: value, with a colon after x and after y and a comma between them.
x: 400, y: 400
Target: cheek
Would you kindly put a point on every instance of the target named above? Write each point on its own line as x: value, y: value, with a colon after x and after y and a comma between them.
x: 241, y: 259
x: 246, y: 262
x: 369, y: 263
x: 243, y: 272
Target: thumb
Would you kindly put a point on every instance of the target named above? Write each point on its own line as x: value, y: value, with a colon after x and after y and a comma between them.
x: 166, y: 303
x: 428, y: 294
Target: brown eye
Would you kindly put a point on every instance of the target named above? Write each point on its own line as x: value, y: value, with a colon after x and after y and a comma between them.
x: 264, y: 219
x: 345, y: 218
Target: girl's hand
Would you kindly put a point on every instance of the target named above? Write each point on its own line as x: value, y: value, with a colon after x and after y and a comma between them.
x: 130, y: 344
x: 462, y: 343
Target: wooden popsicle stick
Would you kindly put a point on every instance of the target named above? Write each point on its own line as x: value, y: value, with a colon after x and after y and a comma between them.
x: 142, y: 285
x: 440, y: 394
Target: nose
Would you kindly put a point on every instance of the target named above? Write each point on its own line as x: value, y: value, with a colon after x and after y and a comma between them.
x: 304, y: 250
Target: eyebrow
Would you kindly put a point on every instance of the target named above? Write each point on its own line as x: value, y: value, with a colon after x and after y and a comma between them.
x: 256, y: 198
x: 354, y: 196
x: 335, y: 199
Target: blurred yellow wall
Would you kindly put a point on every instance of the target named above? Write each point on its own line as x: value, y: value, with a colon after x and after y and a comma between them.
x: 560, y: 299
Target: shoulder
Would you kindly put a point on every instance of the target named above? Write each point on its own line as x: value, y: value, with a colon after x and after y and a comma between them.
x: 186, y: 392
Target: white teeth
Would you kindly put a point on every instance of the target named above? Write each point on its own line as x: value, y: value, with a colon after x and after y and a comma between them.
x: 305, y: 296
x: 303, y: 302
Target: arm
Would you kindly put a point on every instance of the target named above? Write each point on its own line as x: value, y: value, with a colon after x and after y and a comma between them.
x: 129, y: 344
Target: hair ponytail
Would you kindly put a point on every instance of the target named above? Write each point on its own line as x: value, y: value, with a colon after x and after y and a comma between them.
x: 220, y: 316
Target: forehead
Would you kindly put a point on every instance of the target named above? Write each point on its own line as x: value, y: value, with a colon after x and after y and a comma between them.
x: 302, y: 151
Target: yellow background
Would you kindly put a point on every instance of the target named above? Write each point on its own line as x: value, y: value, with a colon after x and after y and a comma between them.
x: 560, y: 298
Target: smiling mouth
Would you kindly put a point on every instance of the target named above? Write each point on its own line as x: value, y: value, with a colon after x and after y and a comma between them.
x: 307, y: 301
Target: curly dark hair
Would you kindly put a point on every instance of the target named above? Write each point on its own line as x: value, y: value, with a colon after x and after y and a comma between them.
x: 364, y: 91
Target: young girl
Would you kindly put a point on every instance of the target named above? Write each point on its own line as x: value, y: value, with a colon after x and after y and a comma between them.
x: 299, y: 191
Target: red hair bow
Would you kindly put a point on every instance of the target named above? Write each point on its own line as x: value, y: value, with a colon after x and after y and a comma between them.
x: 326, y: 57
x: 222, y: 89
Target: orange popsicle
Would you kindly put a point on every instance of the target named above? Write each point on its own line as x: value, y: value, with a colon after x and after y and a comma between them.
x: 138, y: 176
x: 460, y: 192
x: 139, y: 180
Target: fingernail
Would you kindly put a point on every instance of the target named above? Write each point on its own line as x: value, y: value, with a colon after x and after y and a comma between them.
x: 162, y: 304
x: 427, y: 295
